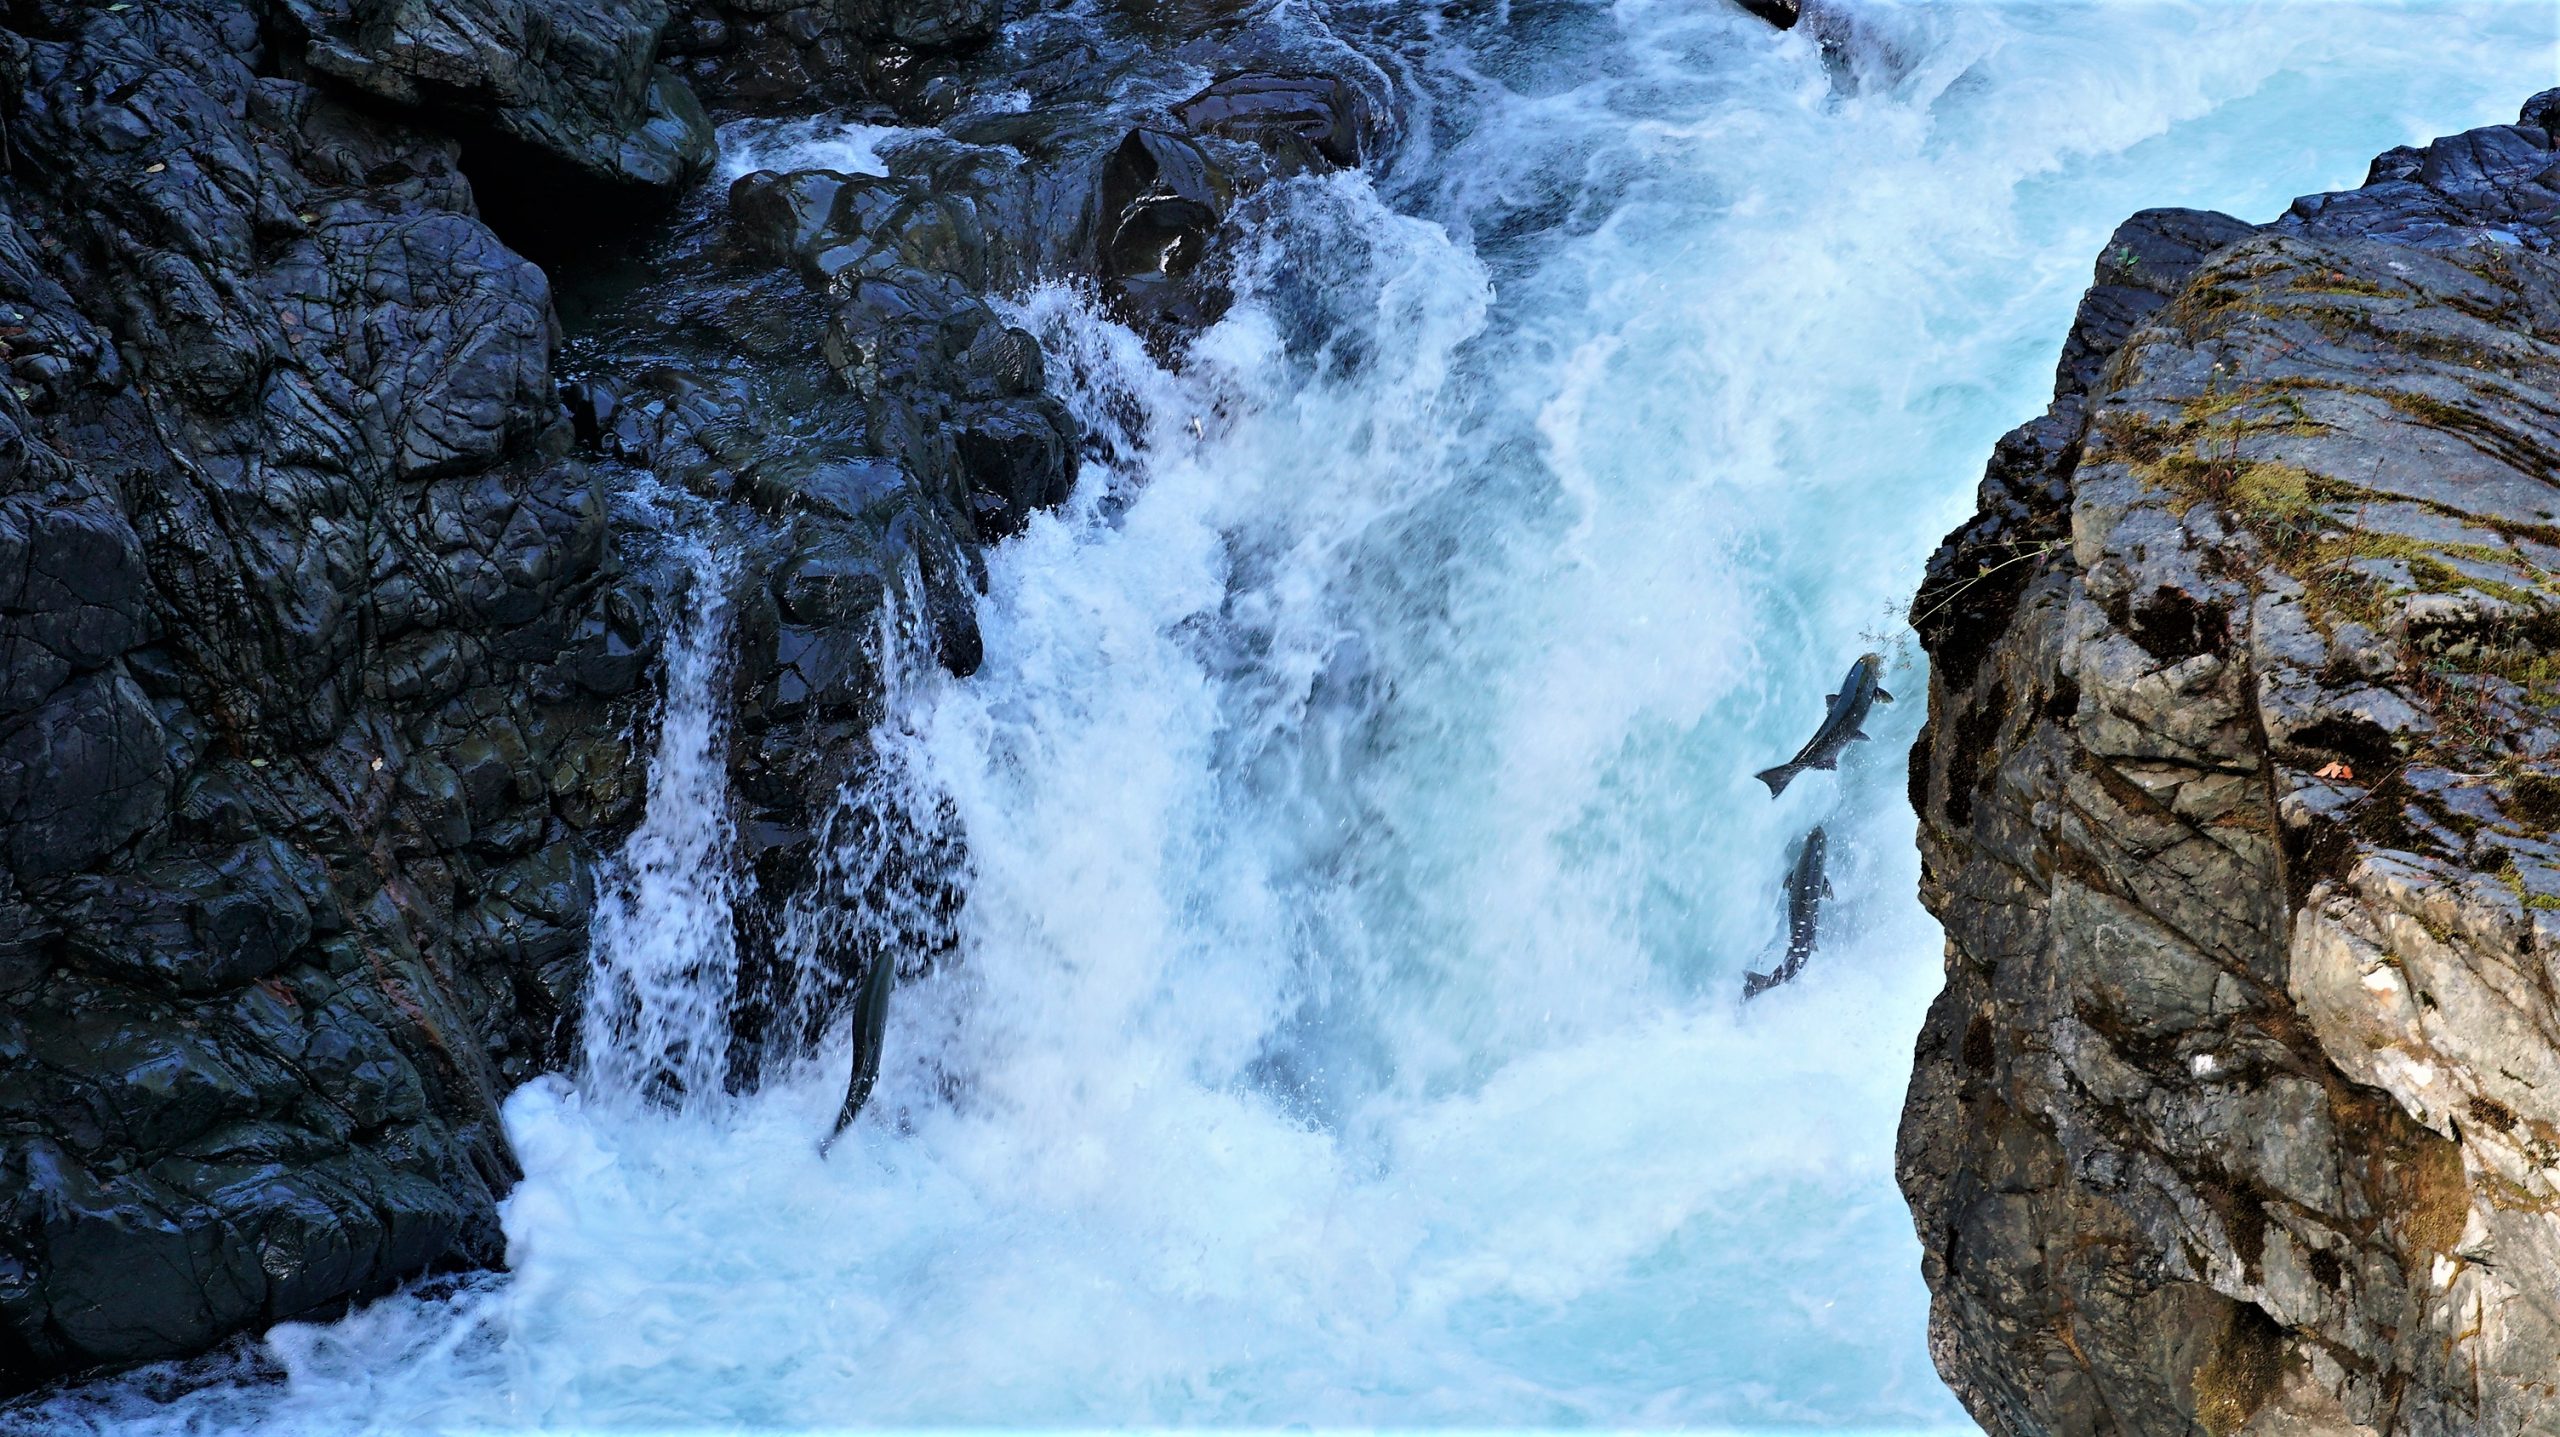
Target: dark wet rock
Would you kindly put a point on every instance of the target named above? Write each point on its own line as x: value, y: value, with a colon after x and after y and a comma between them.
x: 1163, y: 200
x: 310, y: 622
x: 1308, y: 122
x: 2235, y: 1113
x: 2492, y: 186
x: 787, y: 216
x: 925, y: 24
x: 566, y: 88
x: 852, y: 488
x: 852, y: 227
x: 1019, y: 461
x: 764, y: 55
x: 683, y: 427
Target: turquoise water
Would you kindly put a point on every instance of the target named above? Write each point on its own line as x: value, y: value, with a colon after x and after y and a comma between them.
x: 1365, y: 853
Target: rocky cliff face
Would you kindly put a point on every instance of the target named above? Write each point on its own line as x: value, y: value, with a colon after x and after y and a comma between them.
x: 2240, y: 1111
x: 330, y: 624
x: 308, y: 732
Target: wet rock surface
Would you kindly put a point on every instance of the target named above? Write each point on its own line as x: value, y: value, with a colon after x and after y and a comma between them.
x: 338, y: 542
x: 311, y: 719
x: 2240, y: 1109
x: 567, y: 90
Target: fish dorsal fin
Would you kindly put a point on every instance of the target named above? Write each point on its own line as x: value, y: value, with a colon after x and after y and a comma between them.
x: 1857, y: 734
x: 1831, y: 698
x: 1882, y: 695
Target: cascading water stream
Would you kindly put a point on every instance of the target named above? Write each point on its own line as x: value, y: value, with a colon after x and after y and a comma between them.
x: 1361, y: 845
x: 664, y: 956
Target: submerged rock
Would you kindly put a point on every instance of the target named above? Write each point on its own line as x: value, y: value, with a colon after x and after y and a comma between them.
x: 2237, y: 1111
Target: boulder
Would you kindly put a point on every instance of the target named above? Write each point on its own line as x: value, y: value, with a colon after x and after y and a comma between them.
x: 1163, y: 199
x: 1307, y: 122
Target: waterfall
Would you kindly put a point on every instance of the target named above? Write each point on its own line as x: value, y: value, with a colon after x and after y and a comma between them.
x: 664, y: 955
x: 661, y: 1015
x: 1354, y: 808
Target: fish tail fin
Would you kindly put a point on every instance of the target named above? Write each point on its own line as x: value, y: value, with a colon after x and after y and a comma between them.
x: 1755, y: 984
x: 1777, y: 778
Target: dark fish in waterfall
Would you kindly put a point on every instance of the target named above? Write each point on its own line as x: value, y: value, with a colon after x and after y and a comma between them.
x: 1848, y: 709
x: 1806, y: 888
x: 870, y: 1028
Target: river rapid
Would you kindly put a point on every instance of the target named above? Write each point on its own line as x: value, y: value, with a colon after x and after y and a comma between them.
x: 1364, y: 857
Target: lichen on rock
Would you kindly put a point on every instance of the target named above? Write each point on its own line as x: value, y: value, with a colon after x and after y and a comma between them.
x: 2240, y: 1109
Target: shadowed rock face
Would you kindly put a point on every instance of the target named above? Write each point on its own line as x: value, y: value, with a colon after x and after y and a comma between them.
x: 910, y: 56
x: 329, y: 630
x: 2241, y: 1107
x: 570, y: 89
x: 308, y: 722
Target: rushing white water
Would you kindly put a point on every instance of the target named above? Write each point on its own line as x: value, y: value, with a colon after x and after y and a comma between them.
x: 1364, y: 851
x: 820, y: 142
x: 664, y: 954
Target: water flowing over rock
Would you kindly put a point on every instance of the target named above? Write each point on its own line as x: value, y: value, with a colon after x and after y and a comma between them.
x: 826, y: 355
x: 2240, y: 1109
x: 1181, y: 586
x: 333, y: 621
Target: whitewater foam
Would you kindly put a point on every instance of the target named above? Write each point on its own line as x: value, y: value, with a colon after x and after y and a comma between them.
x: 816, y: 142
x: 1364, y: 853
